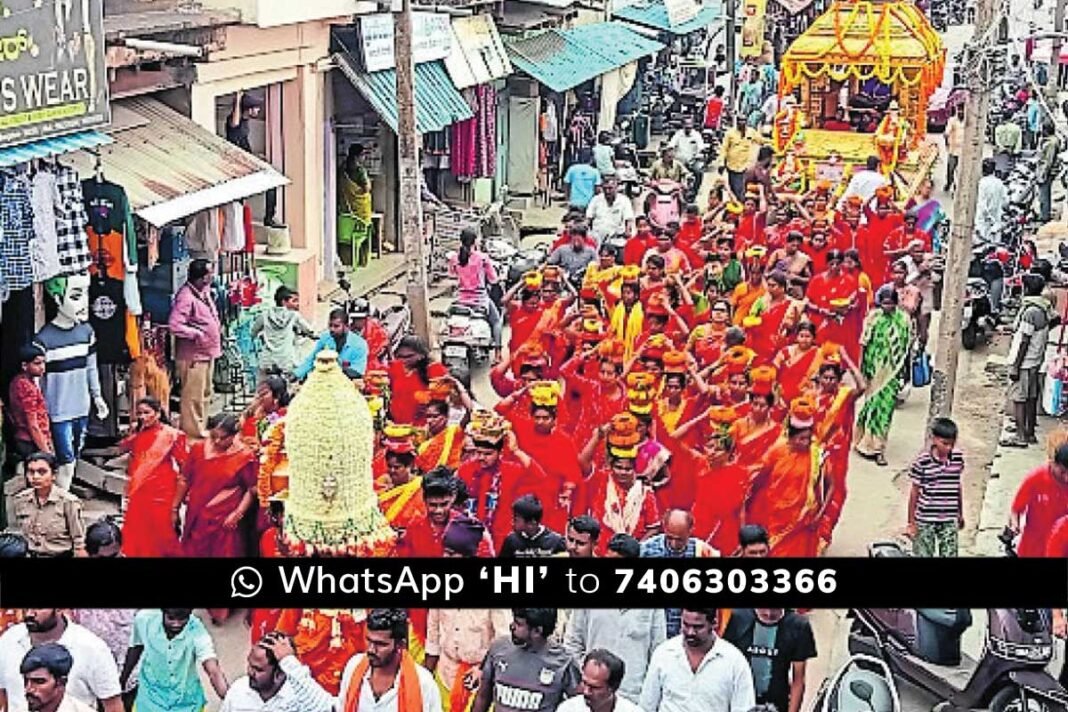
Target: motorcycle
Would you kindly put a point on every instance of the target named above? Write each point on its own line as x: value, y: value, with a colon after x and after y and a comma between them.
x: 863, y: 683
x: 395, y: 319
x: 924, y: 647
x: 977, y: 319
x: 524, y: 261
x: 465, y: 337
x: 696, y: 167
x: 664, y: 204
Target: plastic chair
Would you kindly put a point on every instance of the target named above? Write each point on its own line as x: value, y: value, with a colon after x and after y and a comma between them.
x: 353, y: 239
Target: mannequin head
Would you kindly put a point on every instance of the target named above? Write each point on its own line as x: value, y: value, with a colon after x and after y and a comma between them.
x: 71, y: 295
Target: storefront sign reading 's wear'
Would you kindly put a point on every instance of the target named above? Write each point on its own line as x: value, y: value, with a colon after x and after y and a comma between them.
x: 52, y: 73
x: 431, y: 39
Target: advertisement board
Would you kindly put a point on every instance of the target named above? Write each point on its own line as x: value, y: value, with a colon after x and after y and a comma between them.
x: 53, y: 79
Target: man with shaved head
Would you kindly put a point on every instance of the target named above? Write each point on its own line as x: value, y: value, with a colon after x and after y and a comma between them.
x: 677, y: 542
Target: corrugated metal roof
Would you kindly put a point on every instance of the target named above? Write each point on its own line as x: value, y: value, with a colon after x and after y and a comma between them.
x: 55, y: 146
x: 171, y: 167
x: 563, y: 59
x: 478, y: 55
x: 438, y: 104
x: 654, y: 14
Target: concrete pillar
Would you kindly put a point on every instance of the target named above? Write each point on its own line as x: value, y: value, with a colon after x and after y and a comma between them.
x: 202, y: 105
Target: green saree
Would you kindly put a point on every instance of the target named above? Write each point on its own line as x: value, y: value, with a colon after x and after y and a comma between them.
x: 886, y: 341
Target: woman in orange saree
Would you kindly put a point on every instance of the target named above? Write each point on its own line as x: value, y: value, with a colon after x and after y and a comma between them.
x: 791, y: 490
x: 836, y: 403
x: 157, y: 452
x: 753, y: 435
x: 772, y: 319
x: 218, y: 484
x: 444, y: 444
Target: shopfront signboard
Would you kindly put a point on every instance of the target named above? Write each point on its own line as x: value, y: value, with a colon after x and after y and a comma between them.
x: 53, y: 80
x: 431, y: 39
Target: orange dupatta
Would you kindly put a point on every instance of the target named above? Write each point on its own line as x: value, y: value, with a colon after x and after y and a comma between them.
x: 409, y: 694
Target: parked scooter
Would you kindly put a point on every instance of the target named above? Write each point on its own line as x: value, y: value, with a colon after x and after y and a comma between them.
x: 465, y: 337
x: 924, y: 647
x: 863, y: 684
x: 664, y: 204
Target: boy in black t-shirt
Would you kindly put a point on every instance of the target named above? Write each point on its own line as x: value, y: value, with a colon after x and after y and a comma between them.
x: 777, y: 643
x: 529, y: 538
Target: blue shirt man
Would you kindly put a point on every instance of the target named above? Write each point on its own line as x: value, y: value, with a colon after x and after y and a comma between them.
x: 583, y: 180
x: 351, y: 348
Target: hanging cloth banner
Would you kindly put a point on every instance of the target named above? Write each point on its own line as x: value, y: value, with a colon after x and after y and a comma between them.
x: 753, y: 28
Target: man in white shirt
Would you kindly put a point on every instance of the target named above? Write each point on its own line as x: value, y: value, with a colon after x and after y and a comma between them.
x: 722, y: 681
x: 865, y: 182
x: 375, y: 682
x: 602, y: 672
x: 990, y: 206
x: 954, y: 135
x: 631, y: 633
x: 44, y: 675
x: 610, y: 213
x: 93, y: 677
x: 276, y: 682
x: 688, y: 143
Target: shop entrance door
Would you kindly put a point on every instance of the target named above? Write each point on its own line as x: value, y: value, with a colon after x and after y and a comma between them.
x: 522, y: 151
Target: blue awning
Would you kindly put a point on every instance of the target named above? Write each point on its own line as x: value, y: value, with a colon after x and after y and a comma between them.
x: 438, y: 104
x: 654, y: 14
x: 55, y: 146
x: 563, y: 59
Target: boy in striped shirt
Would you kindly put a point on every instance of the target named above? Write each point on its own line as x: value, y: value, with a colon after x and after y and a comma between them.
x: 936, y: 511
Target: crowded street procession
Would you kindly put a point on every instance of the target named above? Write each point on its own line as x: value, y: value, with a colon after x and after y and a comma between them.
x: 766, y: 279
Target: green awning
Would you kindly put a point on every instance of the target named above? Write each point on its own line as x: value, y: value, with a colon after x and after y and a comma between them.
x: 654, y: 14
x: 438, y: 104
x: 563, y: 59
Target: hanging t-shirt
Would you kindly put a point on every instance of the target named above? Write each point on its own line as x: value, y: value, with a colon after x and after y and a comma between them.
x: 109, y: 211
x: 107, y: 316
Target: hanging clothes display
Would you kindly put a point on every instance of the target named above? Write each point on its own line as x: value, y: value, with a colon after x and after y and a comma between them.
x: 473, y: 143
x: 111, y: 230
x: 16, y: 222
x: 233, y: 227
x: 72, y: 242
x: 107, y: 316
x: 203, y: 236
x: 45, y: 200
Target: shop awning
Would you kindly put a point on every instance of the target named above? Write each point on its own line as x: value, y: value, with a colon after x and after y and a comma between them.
x: 563, y: 59
x: 171, y: 167
x: 478, y: 55
x: 654, y: 14
x: 55, y: 146
x: 438, y: 104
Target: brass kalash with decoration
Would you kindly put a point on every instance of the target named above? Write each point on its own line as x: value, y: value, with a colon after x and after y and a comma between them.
x: 853, y: 45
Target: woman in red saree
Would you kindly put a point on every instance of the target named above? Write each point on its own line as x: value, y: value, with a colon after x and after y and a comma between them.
x: 833, y: 296
x: 410, y: 372
x: 799, y: 362
x: 218, y: 484
x: 602, y: 398
x: 679, y: 403
x: 724, y: 482
x: 706, y: 340
x: 791, y: 490
x: 772, y: 319
x: 157, y: 452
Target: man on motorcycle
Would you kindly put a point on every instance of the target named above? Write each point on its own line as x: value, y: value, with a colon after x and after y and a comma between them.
x: 689, y: 145
x: 576, y: 257
x: 610, y: 213
x: 372, y: 331
x: 667, y: 167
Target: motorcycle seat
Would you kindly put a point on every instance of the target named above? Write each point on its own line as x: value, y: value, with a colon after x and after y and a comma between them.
x: 468, y: 311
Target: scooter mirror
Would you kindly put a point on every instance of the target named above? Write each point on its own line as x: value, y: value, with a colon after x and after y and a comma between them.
x: 862, y: 689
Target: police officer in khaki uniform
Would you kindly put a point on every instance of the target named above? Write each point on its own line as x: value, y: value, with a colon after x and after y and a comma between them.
x: 47, y: 515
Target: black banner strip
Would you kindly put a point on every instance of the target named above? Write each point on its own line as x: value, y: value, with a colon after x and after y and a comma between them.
x: 558, y: 582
